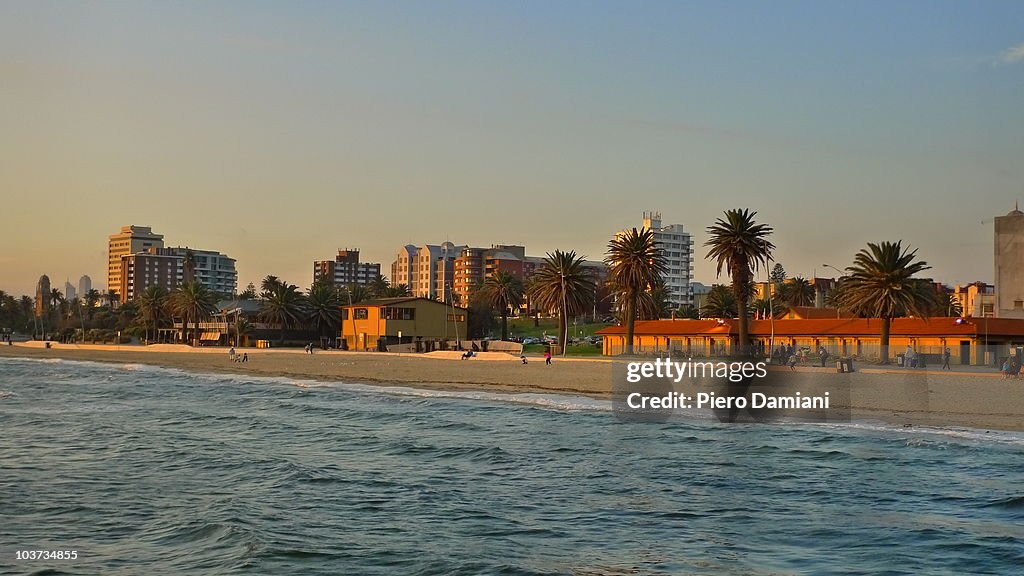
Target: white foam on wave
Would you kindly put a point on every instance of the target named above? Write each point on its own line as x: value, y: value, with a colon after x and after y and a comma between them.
x: 558, y: 402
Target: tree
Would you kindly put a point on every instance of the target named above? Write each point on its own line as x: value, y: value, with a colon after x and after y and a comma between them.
x: 193, y: 303
x: 720, y: 303
x: 112, y: 298
x: 653, y: 303
x: 688, y: 311
x: 881, y: 284
x: 92, y: 299
x: 947, y: 305
x: 797, y: 291
x: 283, y: 305
x: 380, y: 286
x: 323, y: 308
x: 153, y: 304
x: 268, y: 284
x: 397, y: 291
x: 503, y: 291
x: 778, y: 274
x: 636, y: 264
x: 249, y: 293
x: 740, y: 245
x: 562, y: 284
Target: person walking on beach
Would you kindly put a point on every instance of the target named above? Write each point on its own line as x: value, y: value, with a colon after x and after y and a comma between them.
x: 945, y: 360
x: 245, y: 356
x: 547, y: 357
x: 231, y: 353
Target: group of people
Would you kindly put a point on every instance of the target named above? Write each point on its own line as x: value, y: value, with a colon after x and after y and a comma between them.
x: 236, y: 357
x: 785, y: 355
x: 1011, y: 367
x: 309, y: 348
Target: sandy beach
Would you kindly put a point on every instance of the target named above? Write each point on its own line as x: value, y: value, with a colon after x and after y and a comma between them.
x: 958, y: 399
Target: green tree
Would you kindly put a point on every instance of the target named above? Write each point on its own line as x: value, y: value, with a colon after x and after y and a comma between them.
x: 153, y: 304
x: 379, y: 287
x: 249, y: 293
x: 797, y: 291
x: 636, y: 265
x: 503, y: 291
x: 562, y: 284
x: 720, y: 303
x: 881, y: 284
x: 740, y: 245
x: 323, y: 308
x: 688, y: 312
x: 193, y: 303
x: 283, y: 305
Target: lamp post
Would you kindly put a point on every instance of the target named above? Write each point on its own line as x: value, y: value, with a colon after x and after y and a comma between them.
x: 837, y: 281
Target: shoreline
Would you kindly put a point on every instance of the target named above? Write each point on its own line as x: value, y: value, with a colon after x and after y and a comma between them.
x: 953, y: 399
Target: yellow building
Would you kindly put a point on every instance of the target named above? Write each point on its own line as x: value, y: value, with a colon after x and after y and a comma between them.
x: 364, y: 326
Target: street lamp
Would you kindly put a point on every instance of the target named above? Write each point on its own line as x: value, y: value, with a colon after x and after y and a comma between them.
x: 841, y: 273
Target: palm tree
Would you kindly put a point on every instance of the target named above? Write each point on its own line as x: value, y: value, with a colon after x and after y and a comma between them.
x: 881, y: 284
x: 654, y: 303
x: 92, y: 299
x: 797, y: 291
x: 397, y: 291
x: 947, y: 305
x: 503, y: 290
x: 741, y: 246
x: 688, y: 311
x: 111, y: 297
x: 323, y: 308
x: 153, y: 307
x: 380, y: 286
x: 720, y: 303
x: 269, y: 283
x: 283, y: 305
x: 563, y: 284
x: 193, y: 302
x: 636, y: 265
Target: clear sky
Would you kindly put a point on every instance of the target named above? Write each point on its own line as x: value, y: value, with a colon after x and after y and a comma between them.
x: 278, y: 132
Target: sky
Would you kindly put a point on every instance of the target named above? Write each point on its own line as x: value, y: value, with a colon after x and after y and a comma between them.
x: 278, y: 132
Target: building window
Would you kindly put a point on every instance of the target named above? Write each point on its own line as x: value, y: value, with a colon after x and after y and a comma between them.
x: 456, y: 317
x: 361, y: 314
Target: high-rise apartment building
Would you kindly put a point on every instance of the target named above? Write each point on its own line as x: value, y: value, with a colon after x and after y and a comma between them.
x: 677, y: 247
x: 84, y: 286
x: 214, y: 270
x: 1009, y: 264
x: 157, y: 267
x: 130, y: 240
x: 69, y: 290
x: 427, y: 270
x: 475, y: 265
x: 43, y: 295
x: 346, y: 269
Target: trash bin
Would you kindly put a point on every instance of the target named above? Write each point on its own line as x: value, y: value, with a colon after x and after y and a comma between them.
x: 900, y: 358
x: 840, y: 366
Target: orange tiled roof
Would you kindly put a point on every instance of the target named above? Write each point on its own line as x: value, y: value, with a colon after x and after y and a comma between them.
x: 830, y: 327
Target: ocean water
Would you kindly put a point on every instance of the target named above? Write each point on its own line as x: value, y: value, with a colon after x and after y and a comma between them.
x: 145, y: 470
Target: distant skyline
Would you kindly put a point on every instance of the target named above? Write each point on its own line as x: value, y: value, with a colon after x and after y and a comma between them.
x: 279, y: 132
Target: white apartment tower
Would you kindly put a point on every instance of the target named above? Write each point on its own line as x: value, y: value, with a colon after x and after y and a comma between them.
x: 677, y: 247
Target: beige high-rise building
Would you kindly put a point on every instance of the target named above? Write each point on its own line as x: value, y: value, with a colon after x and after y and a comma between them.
x: 131, y: 240
x: 427, y: 270
x: 1009, y: 264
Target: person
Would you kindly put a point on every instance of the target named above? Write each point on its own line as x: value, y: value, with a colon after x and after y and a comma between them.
x: 523, y: 358
x: 245, y: 356
x: 945, y: 360
x: 792, y: 362
x: 231, y: 353
x: 909, y: 361
x: 467, y: 354
x: 823, y: 354
x: 1006, y: 368
x: 547, y: 356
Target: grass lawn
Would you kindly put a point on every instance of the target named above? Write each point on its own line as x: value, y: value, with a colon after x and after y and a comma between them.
x: 583, y: 350
x: 524, y: 328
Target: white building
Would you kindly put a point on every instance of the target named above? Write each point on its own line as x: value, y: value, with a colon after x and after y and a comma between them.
x: 677, y: 247
x: 212, y: 269
x: 84, y: 286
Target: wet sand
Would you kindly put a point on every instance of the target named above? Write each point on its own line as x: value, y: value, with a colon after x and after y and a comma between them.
x: 957, y: 399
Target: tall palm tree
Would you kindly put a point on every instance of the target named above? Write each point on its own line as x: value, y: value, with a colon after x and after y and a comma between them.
x: 153, y: 308
x: 636, y: 265
x: 881, y: 284
x: 563, y: 284
x: 947, y: 305
x: 397, y: 291
x: 740, y: 245
x: 193, y: 302
x: 503, y: 290
x: 111, y: 297
x: 323, y: 308
x: 720, y: 303
x: 653, y: 303
x: 92, y: 299
x: 283, y: 305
